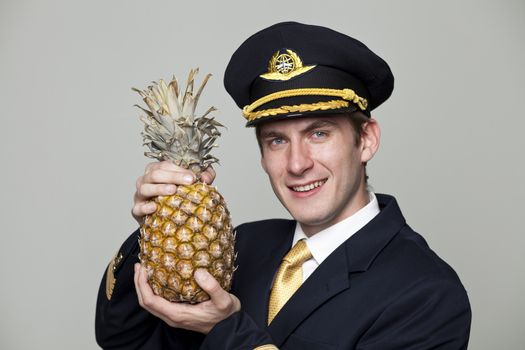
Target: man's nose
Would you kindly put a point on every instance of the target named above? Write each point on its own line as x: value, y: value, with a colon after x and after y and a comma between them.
x: 299, y: 159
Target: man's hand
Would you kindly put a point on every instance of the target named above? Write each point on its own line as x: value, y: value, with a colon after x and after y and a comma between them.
x: 200, y: 317
x: 161, y: 179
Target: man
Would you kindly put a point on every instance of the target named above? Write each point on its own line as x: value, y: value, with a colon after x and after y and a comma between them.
x: 348, y: 272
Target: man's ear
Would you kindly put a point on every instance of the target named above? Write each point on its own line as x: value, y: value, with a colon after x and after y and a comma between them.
x: 370, y: 139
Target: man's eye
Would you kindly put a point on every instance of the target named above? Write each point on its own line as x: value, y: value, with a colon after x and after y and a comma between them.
x: 277, y: 141
x: 319, y: 134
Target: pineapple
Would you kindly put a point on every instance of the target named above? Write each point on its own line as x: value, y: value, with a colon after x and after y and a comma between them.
x: 190, y: 229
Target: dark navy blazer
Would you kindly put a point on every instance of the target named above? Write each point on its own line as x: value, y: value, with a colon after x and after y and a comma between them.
x: 383, y: 288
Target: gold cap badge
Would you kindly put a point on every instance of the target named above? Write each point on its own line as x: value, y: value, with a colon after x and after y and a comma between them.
x: 284, y: 66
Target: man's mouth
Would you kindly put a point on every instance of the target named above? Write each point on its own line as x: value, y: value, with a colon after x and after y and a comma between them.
x: 308, y: 187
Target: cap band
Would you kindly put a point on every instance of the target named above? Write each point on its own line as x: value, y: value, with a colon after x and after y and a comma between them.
x: 346, y: 94
x: 310, y: 107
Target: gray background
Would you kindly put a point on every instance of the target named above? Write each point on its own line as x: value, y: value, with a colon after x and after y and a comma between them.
x: 71, y: 150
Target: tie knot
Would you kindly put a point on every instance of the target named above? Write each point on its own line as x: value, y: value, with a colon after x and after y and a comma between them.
x: 298, y: 254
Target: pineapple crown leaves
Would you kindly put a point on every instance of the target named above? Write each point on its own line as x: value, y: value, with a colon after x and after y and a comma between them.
x: 171, y: 130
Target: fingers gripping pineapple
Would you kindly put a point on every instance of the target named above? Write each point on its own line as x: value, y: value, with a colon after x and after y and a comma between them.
x: 190, y: 229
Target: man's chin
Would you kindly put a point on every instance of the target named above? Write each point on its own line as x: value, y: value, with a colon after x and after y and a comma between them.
x: 311, y: 221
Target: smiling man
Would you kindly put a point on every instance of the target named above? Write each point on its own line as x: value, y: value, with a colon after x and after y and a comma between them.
x: 347, y: 272
x: 315, y: 166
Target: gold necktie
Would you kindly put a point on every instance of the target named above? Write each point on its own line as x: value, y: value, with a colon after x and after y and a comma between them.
x: 289, y: 278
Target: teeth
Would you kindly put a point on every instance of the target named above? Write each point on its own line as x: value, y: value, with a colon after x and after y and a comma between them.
x: 308, y: 187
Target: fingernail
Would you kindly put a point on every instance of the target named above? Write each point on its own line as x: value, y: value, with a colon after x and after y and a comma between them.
x: 171, y: 189
x: 188, y: 179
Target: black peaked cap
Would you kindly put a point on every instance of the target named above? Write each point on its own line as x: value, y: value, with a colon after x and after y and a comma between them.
x: 338, y: 62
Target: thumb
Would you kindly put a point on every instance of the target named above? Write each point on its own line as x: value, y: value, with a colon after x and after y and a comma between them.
x: 208, y: 283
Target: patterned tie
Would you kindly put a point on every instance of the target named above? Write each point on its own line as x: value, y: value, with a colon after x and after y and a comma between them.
x: 289, y: 278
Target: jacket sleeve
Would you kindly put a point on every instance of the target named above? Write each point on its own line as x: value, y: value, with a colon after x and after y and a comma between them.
x: 237, y: 332
x: 431, y: 314
x: 120, y: 322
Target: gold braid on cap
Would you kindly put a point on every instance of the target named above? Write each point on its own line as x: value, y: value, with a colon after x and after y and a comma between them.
x: 345, y: 94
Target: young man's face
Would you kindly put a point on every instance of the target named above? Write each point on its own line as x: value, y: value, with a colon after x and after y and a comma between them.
x: 316, y: 169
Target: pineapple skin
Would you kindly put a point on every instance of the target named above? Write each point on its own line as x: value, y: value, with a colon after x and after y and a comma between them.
x: 190, y: 229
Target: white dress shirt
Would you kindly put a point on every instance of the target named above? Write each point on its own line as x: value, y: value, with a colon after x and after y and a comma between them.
x: 323, y: 243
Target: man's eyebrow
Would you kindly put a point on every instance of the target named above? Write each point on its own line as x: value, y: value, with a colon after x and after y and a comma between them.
x: 318, y: 124
x: 270, y: 133
x: 312, y: 126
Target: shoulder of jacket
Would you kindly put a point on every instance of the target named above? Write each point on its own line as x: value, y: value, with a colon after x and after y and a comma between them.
x: 418, y: 257
x: 263, y: 225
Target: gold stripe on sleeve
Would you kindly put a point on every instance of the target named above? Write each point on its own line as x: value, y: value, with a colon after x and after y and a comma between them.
x: 110, y: 279
x: 110, y: 274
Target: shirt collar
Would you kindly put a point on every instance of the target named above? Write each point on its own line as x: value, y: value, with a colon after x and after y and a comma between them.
x: 323, y: 243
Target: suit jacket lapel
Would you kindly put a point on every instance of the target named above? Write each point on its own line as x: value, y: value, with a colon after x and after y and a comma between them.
x: 329, y: 279
x: 334, y: 274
